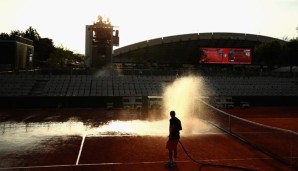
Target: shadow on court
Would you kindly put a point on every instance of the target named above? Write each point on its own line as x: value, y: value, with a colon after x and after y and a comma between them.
x: 139, y: 153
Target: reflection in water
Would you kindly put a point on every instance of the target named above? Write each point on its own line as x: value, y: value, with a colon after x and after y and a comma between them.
x: 152, y: 128
x: 135, y: 127
x: 20, y: 134
x: 25, y: 132
x: 17, y: 130
x: 37, y: 132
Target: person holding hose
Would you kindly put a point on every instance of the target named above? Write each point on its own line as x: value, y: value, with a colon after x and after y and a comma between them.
x: 174, y: 136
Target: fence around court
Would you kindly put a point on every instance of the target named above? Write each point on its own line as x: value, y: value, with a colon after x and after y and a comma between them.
x: 278, y: 143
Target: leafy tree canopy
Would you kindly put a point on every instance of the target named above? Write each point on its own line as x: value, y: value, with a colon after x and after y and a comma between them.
x: 46, y: 54
x: 274, y: 53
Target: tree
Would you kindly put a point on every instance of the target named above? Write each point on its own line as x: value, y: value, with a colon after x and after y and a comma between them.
x: 62, y: 58
x: 58, y: 58
x: 292, y: 53
x: 15, y: 33
x: 31, y: 34
x: 4, y: 36
x: 44, y: 47
x: 44, y: 50
x: 269, y: 53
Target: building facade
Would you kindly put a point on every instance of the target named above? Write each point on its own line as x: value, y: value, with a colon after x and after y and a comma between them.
x: 100, y: 39
x: 16, y: 54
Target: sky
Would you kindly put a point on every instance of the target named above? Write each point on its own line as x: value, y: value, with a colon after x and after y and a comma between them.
x: 64, y: 21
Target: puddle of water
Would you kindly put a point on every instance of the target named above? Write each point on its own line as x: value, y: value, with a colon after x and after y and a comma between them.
x: 40, y: 135
x: 20, y: 130
x: 18, y: 134
x: 134, y: 127
x: 151, y: 128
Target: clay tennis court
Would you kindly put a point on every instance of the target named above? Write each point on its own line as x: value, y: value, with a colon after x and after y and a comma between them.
x: 89, y: 139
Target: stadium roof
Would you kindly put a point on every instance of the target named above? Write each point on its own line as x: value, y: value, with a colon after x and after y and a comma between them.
x: 216, y: 39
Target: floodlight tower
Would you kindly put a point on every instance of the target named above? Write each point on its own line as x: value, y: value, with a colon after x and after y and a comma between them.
x: 100, y: 39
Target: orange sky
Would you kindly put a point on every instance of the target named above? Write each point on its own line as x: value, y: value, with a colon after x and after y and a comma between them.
x: 64, y: 20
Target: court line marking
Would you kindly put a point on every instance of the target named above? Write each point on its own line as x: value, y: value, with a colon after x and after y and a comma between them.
x: 133, y: 163
x: 136, y: 135
x: 81, y: 148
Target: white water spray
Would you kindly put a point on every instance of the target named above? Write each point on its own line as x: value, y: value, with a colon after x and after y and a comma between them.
x: 181, y: 96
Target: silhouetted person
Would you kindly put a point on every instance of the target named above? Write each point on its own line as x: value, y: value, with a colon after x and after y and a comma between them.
x: 174, y: 136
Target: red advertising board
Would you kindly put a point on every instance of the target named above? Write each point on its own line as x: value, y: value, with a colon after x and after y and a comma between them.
x: 226, y: 55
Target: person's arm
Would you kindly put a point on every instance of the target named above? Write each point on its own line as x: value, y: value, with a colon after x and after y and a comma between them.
x: 172, y: 128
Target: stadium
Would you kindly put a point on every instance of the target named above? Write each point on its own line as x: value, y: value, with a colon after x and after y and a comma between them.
x: 226, y: 78
x: 179, y: 48
x: 141, y: 70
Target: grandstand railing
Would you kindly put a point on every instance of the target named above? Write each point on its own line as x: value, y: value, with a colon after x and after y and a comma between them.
x: 278, y: 143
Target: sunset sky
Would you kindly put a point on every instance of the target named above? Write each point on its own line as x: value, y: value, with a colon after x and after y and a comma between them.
x: 64, y: 21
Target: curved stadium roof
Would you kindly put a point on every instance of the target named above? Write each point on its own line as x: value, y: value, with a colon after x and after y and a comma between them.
x: 165, y: 49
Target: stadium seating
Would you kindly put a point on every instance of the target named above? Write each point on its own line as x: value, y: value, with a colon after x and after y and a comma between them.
x: 134, y: 85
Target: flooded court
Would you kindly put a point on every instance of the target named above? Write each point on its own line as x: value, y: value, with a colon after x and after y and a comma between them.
x: 25, y: 131
x: 18, y: 124
x: 99, y: 139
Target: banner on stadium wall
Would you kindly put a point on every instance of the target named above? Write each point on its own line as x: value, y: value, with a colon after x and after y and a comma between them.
x: 226, y: 55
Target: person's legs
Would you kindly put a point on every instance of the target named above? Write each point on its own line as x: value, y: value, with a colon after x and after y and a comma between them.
x: 175, y: 154
x: 172, y: 148
x: 170, y: 155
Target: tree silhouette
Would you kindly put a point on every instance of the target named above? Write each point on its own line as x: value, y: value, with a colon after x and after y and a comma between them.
x: 292, y: 53
x: 269, y: 53
x: 44, y: 49
x: 4, y: 36
x: 31, y: 34
x: 15, y: 33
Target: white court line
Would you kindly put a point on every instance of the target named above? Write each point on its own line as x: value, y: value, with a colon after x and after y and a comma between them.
x: 133, y: 163
x: 80, y: 152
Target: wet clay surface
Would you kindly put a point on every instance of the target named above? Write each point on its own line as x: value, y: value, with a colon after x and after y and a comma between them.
x: 281, y: 117
x: 68, y: 139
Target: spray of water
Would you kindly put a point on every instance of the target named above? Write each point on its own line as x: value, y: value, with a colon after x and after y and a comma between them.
x: 180, y: 96
x: 104, y: 72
